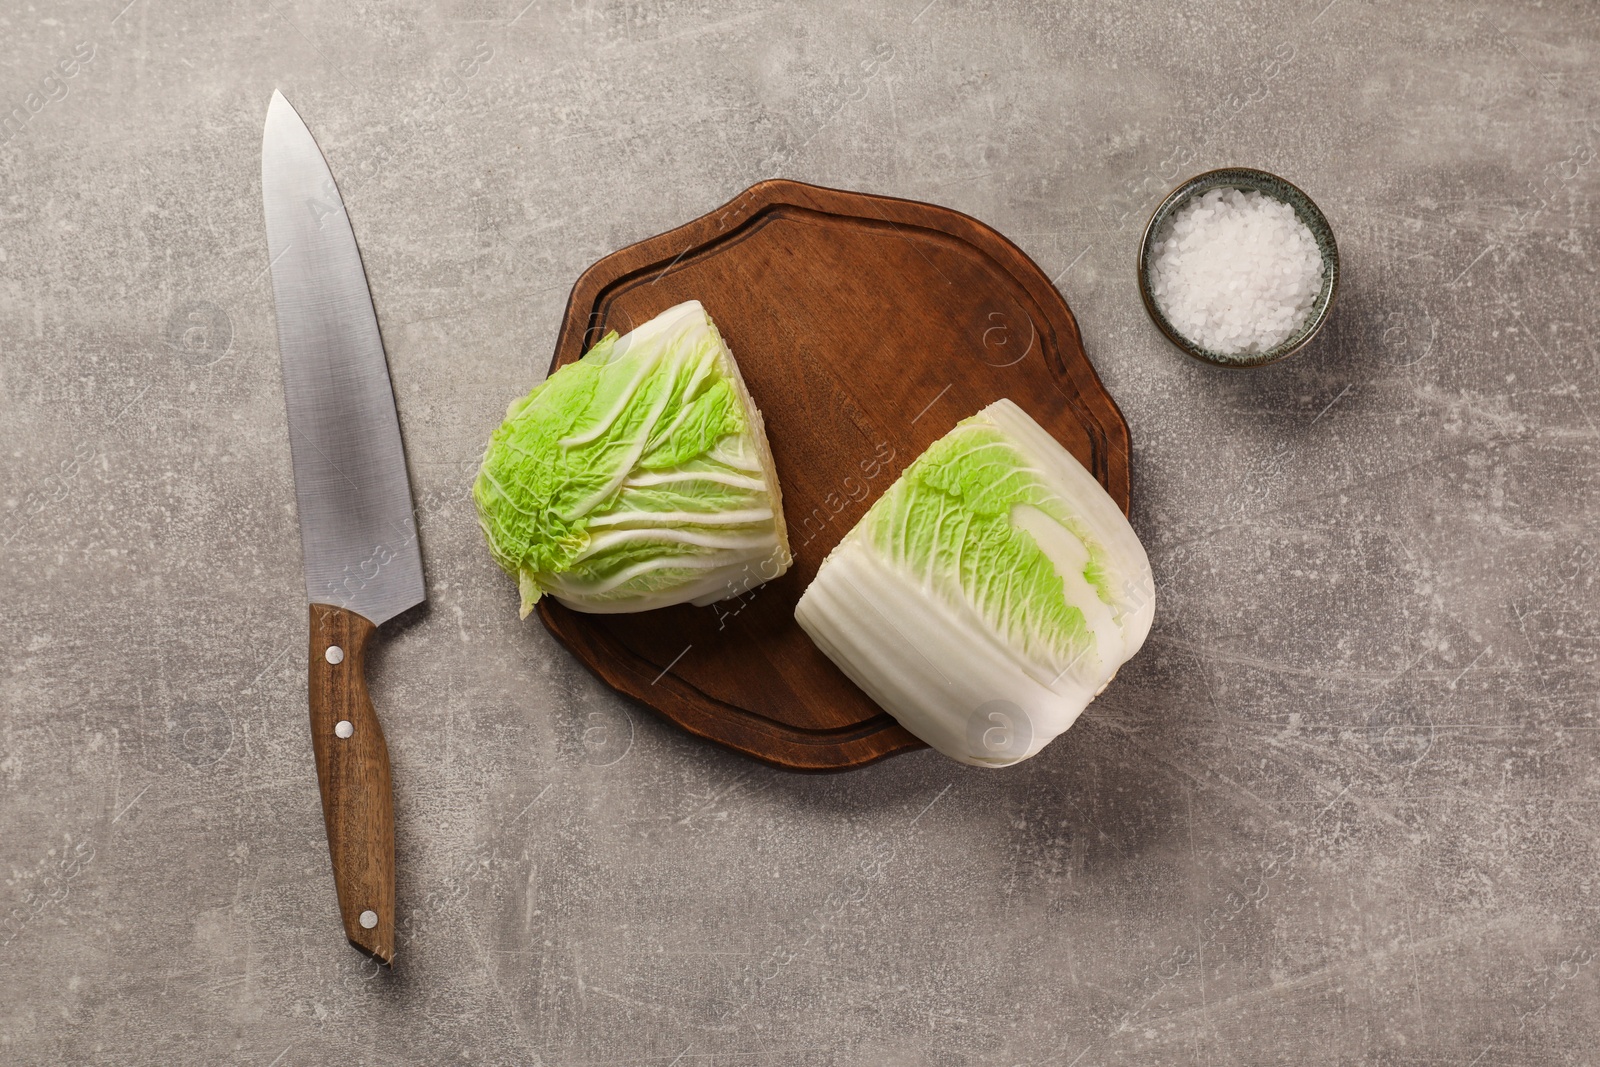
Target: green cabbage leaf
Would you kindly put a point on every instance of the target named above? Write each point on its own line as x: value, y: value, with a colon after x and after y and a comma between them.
x: 637, y: 477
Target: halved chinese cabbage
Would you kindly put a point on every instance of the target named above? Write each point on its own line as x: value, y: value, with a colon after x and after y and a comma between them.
x: 989, y: 595
x: 637, y: 477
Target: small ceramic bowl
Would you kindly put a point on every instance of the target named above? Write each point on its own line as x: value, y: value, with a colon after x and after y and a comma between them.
x: 1268, y: 185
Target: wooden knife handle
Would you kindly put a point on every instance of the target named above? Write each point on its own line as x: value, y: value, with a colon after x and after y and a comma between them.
x: 353, y: 771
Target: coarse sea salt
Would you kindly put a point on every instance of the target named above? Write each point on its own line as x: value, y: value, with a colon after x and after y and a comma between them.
x: 1235, y: 272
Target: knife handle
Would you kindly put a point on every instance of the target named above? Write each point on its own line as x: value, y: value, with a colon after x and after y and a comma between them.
x: 353, y: 772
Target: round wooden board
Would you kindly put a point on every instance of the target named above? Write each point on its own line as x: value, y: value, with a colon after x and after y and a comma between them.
x: 866, y: 327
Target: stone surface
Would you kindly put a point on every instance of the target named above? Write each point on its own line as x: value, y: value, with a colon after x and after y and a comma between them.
x: 1340, y: 810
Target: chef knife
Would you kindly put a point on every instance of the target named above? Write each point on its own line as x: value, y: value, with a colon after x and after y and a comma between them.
x: 357, y: 527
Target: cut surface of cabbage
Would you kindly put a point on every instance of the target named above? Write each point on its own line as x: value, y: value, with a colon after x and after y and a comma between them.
x: 637, y: 477
x: 989, y: 595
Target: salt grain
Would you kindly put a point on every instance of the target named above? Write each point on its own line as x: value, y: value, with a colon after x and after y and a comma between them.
x: 1235, y: 272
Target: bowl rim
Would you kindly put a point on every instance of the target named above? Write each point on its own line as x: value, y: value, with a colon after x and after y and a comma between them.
x: 1218, y: 177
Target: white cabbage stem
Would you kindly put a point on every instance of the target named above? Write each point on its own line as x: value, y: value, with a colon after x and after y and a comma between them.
x: 985, y: 657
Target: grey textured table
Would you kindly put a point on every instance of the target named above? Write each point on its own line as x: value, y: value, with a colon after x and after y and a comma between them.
x: 1341, y: 809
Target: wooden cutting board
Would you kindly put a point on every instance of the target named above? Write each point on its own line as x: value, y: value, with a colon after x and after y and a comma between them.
x: 866, y: 327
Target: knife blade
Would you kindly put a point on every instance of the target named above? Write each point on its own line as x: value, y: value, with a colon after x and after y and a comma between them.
x: 358, y: 529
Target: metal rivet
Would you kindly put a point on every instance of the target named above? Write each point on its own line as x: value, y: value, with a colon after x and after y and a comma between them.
x: 342, y: 728
x: 369, y: 919
x: 335, y: 654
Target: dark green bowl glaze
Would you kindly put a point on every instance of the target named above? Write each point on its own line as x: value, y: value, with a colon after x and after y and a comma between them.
x: 1268, y: 185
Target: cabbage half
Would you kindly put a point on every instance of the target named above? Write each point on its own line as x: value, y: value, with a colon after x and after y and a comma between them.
x: 989, y: 595
x: 637, y: 477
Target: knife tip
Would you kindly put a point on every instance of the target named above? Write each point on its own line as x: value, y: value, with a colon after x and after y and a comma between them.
x: 281, y: 115
x: 278, y: 101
